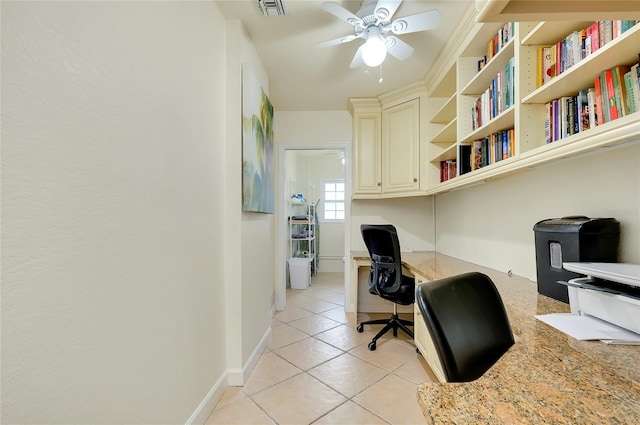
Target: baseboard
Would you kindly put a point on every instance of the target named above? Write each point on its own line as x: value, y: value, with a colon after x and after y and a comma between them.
x: 206, y: 406
x: 231, y: 378
x: 331, y: 265
x: 238, y: 377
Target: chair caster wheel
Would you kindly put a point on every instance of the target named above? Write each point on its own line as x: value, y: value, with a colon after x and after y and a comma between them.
x: 360, y: 328
x: 372, y: 346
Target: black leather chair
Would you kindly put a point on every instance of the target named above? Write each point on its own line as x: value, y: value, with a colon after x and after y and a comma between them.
x: 386, y: 279
x: 468, y: 323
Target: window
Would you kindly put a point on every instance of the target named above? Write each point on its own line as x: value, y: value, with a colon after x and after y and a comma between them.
x: 333, y: 191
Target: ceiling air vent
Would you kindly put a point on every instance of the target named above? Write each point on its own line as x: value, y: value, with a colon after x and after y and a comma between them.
x: 272, y: 7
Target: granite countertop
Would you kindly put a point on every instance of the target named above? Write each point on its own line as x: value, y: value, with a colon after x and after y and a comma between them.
x: 545, y: 377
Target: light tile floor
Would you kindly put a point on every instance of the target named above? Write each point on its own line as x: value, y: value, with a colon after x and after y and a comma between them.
x: 318, y: 369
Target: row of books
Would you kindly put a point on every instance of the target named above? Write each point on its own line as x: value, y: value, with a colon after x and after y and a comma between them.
x: 499, y: 97
x: 480, y: 153
x: 555, y: 59
x: 616, y: 93
x: 447, y: 170
x: 502, y: 37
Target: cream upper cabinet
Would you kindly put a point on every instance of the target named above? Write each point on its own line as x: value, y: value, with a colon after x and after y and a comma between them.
x: 367, y: 174
x: 387, y: 144
x: 401, y: 147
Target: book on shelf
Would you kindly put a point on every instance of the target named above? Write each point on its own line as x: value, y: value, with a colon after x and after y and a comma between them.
x: 582, y: 108
x: 576, y: 46
x: 564, y: 117
x: 611, y: 96
x: 465, y: 159
x: 499, y: 40
x: 447, y: 170
x: 567, y: 116
x: 544, y: 69
x: 571, y: 115
x: 599, y: 104
x: 492, y: 148
x: 616, y: 93
x: 632, y: 82
x: 593, y: 108
x: 620, y: 89
x: 631, y: 100
x: 547, y: 123
x: 497, y: 98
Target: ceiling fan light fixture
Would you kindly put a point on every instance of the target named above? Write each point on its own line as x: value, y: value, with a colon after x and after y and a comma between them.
x: 374, y: 50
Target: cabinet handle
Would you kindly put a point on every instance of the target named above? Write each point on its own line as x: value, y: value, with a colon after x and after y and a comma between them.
x: 379, y: 184
x: 415, y: 180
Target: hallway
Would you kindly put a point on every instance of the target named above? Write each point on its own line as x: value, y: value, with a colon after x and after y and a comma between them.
x: 318, y: 370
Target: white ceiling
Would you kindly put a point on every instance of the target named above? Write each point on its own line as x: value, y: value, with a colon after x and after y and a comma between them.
x: 305, y: 78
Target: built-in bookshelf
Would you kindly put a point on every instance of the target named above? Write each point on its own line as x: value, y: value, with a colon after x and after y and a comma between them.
x: 515, y: 134
x: 442, y: 128
x: 486, y: 110
x: 563, y: 92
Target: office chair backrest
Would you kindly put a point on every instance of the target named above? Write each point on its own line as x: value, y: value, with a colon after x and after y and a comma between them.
x: 384, y: 249
x: 467, y: 322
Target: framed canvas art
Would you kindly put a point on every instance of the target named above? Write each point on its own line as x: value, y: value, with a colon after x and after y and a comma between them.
x: 258, y: 191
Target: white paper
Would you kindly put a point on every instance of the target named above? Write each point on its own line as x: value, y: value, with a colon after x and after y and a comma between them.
x: 589, y: 328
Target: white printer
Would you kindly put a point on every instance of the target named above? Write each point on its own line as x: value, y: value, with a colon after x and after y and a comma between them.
x: 610, y: 292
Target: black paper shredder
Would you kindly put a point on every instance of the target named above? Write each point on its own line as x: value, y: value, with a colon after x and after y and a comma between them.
x: 572, y: 239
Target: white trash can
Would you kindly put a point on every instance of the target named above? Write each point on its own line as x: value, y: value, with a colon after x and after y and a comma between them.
x: 299, y: 272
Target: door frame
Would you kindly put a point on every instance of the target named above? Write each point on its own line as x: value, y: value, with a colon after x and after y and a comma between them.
x: 282, y: 209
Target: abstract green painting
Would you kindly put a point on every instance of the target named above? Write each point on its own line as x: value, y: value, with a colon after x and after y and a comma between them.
x: 258, y: 191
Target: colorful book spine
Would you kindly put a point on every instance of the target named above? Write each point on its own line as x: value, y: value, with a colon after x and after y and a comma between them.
x: 632, y: 106
x: 611, y: 95
x: 583, y: 111
x: 599, y: 104
x: 497, y: 98
x: 620, y: 89
x: 448, y: 170
x: 593, y: 112
x: 492, y: 148
x: 635, y: 81
x: 576, y: 46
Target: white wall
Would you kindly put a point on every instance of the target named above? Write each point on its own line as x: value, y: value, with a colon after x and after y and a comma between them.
x: 412, y: 217
x: 492, y: 224
x: 250, y: 254
x: 300, y: 129
x: 113, y: 307
x: 311, y: 127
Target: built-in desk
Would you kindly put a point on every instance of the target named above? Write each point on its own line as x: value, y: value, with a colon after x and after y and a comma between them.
x: 546, y: 377
x: 420, y: 263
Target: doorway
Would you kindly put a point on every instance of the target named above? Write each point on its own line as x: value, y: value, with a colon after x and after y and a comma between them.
x: 309, y: 171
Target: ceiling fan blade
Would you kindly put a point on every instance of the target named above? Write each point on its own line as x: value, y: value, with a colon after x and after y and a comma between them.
x: 341, y: 13
x: 386, y: 8
x: 336, y: 41
x: 357, y: 59
x: 419, y: 22
x: 398, y: 48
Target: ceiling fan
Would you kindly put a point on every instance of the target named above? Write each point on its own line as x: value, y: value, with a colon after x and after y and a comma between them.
x: 373, y: 23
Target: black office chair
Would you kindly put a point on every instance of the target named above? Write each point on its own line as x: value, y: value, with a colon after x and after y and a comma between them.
x: 386, y: 279
x: 468, y: 324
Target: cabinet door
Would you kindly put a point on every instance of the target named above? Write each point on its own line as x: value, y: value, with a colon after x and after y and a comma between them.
x: 423, y: 340
x: 400, y: 147
x: 367, y: 162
